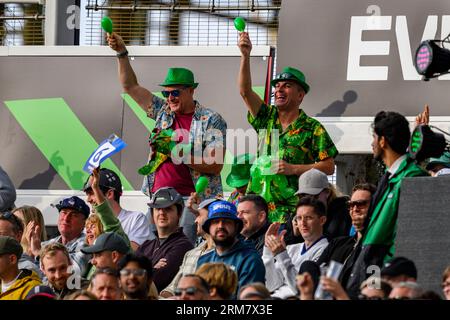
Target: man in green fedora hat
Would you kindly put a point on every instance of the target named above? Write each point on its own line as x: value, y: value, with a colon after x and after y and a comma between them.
x: 239, y: 176
x: 198, y: 128
x: 303, y: 141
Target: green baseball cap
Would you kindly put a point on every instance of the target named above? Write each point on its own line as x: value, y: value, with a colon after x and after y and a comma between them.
x: 10, y: 245
x: 179, y: 76
x: 289, y: 73
x: 240, y: 171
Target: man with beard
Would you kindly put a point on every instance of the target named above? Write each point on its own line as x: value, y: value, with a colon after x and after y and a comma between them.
x: 253, y: 211
x: 391, y: 135
x: 107, y: 250
x: 224, y: 227
x: 55, y: 263
x: 136, y: 277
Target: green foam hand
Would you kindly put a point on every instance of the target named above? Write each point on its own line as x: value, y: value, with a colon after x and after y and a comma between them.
x: 239, y: 24
x: 107, y: 24
x: 201, y: 184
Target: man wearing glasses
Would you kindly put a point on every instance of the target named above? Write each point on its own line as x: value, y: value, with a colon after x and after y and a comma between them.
x: 136, y: 278
x: 200, y: 128
x: 192, y: 287
x: 303, y: 141
x: 346, y: 249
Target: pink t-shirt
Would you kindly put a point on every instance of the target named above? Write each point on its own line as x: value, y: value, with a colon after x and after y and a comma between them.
x: 173, y: 175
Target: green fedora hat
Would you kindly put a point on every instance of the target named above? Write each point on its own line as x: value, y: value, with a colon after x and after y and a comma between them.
x: 179, y: 76
x: 240, y: 171
x: 289, y: 73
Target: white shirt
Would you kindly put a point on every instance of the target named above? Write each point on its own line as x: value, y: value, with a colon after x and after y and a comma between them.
x: 5, y: 286
x: 393, y: 169
x: 136, y: 225
x: 443, y: 172
x: 282, y: 269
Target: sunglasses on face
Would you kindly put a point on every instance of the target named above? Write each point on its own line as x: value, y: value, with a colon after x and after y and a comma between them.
x: 190, y: 291
x: 136, y: 272
x: 175, y: 93
x: 360, y: 204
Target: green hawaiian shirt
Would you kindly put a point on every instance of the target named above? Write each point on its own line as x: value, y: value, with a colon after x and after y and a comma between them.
x: 305, y: 141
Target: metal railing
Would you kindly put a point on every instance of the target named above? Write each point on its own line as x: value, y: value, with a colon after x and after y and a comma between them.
x: 183, y: 22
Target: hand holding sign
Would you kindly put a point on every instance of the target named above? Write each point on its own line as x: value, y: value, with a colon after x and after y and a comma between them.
x: 105, y: 150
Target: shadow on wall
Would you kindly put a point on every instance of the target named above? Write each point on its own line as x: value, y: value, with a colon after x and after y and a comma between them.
x: 338, y: 107
x: 44, y: 179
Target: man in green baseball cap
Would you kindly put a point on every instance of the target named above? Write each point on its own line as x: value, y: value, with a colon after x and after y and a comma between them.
x: 200, y: 129
x: 303, y: 141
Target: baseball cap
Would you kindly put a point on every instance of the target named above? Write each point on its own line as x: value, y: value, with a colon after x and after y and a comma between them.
x: 399, y: 266
x: 165, y: 197
x: 312, y: 182
x: 74, y: 203
x: 108, y: 241
x: 41, y: 292
x: 222, y: 210
x: 107, y: 179
x: 10, y: 245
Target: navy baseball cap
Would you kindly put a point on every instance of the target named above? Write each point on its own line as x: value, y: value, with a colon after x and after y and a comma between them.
x: 74, y: 203
x: 222, y: 210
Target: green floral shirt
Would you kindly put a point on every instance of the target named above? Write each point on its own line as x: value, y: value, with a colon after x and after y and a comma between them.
x: 305, y: 141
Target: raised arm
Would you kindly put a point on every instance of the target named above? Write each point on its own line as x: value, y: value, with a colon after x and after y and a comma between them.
x: 251, y: 99
x: 127, y: 77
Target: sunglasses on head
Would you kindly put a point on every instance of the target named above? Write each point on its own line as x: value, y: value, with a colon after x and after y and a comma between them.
x: 284, y: 75
x: 190, y: 291
x: 358, y: 203
x: 174, y: 93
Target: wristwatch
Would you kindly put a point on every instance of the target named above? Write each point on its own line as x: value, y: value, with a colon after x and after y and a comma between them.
x: 122, y: 54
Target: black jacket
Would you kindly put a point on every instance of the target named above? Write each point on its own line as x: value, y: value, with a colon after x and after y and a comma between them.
x: 258, y: 238
x: 172, y: 249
